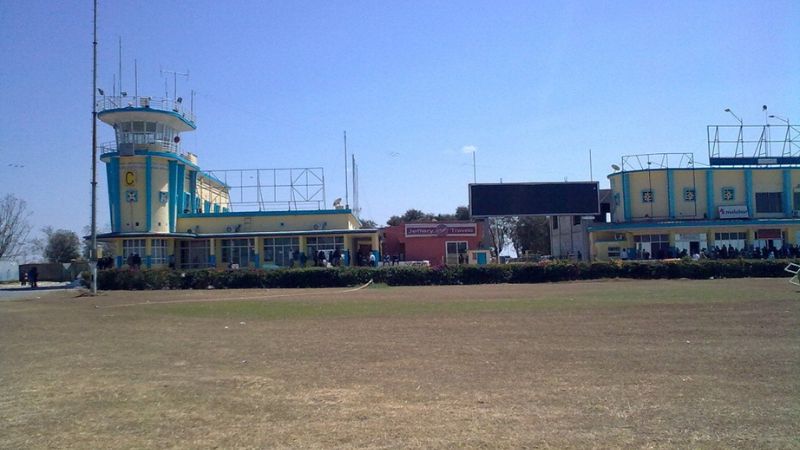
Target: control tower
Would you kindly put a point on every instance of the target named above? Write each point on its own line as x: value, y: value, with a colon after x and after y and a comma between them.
x: 150, y: 179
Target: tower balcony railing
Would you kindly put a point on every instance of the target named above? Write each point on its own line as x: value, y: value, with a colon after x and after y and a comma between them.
x: 127, y: 148
x: 108, y: 102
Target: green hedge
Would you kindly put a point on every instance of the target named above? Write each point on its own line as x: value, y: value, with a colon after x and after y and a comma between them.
x: 424, y: 276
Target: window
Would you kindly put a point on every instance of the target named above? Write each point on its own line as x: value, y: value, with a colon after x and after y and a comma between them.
x: 456, y: 252
x: 728, y: 194
x: 769, y: 202
x: 689, y: 194
x: 324, y: 244
x: 647, y: 196
x: 555, y: 222
x: 613, y: 252
x: 132, y: 247
x: 194, y: 254
x: 736, y: 240
x: 238, y: 251
x: 279, y: 251
x: 651, y: 246
x: 159, y: 251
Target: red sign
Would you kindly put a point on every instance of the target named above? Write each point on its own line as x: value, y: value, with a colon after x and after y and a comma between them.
x: 441, y: 229
x: 769, y: 234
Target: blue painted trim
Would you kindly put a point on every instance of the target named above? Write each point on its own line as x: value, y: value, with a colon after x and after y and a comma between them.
x: 748, y: 190
x: 148, y: 110
x: 206, y: 207
x: 710, y: 194
x: 687, y: 169
x: 268, y: 213
x: 179, y: 187
x: 216, y: 208
x: 787, y: 192
x: 168, y: 155
x: 117, y: 197
x: 754, y: 161
x: 148, y: 178
x: 119, y: 262
x: 695, y: 224
x: 172, y: 204
x: 192, y: 189
x: 212, y: 260
x: 112, y: 180
x: 224, y: 210
x: 671, y: 194
x: 626, y: 196
x: 148, y: 261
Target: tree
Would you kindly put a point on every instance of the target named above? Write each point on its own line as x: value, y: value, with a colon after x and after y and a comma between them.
x: 14, y: 226
x: 412, y: 215
x: 62, y: 245
x: 415, y: 215
x: 531, y: 234
x: 368, y: 224
x: 462, y: 213
x: 500, y: 232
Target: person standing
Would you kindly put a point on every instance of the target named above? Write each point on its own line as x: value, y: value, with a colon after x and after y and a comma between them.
x: 33, y: 277
x: 372, y: 259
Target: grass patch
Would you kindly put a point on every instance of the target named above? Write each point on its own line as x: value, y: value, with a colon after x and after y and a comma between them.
x: 349, y: 307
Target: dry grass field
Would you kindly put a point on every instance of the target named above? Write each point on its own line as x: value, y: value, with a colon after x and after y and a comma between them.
x: 588, y: 364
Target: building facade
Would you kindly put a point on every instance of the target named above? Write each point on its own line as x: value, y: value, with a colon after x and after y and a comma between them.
x: 438, y: 243
x: 663, y: 212
x: 170, y: 213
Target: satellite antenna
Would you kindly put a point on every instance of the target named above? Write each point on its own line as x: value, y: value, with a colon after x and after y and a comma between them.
x: 615, y: 167
x: 337, y: 203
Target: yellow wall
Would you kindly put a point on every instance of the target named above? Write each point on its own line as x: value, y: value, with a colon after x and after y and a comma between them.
x: 132, y: 213
x: 304, y: 222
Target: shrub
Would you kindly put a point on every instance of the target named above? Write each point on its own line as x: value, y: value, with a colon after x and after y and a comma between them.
x: 316, y: 277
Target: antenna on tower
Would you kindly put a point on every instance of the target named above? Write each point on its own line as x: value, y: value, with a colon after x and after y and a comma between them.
x: 174, y: 80
x: 120, y: 65
x: 135, y: 79
x: 346, y: 196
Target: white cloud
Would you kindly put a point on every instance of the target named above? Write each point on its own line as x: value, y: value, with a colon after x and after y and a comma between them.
x: 469, y: 149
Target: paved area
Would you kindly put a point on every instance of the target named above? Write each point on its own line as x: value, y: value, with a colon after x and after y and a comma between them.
x: 16, y: 292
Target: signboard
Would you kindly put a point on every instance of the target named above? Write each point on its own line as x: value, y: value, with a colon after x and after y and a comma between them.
x: 733, y: 212
x: 441, y: 229
x: 534, y: 199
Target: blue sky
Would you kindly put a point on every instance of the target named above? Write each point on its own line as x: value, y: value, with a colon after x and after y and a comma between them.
x: 531, y: 85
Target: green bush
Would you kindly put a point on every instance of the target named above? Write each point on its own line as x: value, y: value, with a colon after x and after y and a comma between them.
x: 316, y: 277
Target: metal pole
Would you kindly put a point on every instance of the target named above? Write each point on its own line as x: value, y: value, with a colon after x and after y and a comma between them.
x: 93, y: 250
x: 474, y: 169
x: 346, y: 195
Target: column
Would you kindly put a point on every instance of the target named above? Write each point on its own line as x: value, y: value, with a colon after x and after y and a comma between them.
x: 212, y: 253
x: 710, y: 214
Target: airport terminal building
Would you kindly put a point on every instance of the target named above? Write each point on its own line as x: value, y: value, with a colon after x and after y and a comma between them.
x: 663, y: 205
x: 170, y: 213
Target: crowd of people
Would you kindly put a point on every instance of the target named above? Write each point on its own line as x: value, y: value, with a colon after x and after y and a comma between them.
x: 790, y: 251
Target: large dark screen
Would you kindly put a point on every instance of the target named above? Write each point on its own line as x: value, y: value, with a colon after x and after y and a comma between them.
x: 534, y: 199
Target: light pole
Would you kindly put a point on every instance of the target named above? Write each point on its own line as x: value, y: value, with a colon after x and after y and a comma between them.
x: 728, y: 110
x: 786, y: 121
x: 93, y: 250
x: 474, y: 170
